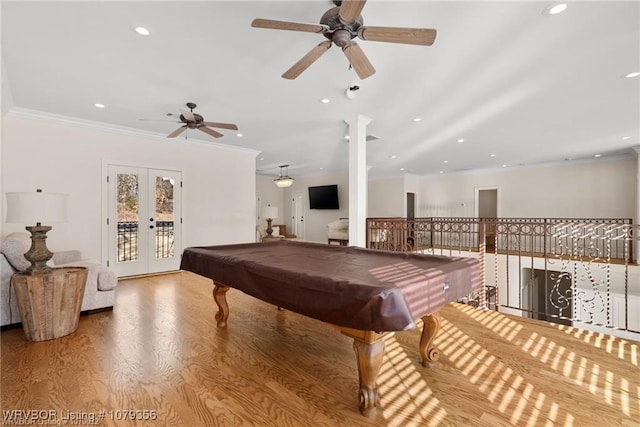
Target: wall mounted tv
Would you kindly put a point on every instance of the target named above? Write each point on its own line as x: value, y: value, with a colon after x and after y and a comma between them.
x: 323, y: 197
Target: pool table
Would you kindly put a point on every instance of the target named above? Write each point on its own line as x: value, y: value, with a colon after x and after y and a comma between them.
x: 365, y: 293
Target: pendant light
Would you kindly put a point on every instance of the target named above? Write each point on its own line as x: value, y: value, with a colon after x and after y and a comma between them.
x: 284, y: 180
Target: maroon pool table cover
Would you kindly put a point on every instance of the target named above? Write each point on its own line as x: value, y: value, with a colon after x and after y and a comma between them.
x: 353, y: 287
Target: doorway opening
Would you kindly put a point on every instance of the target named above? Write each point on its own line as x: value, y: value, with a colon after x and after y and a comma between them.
x: 547, y: 295
x: 487, y: 209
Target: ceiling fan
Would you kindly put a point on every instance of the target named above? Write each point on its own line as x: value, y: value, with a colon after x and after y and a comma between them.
x: 340, y: 25
x: 192, y: 120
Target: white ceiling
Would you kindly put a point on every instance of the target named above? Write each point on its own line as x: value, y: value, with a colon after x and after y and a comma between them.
x: 514, y: 83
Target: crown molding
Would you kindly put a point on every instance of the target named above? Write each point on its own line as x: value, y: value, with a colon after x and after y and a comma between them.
x: 25, y: 113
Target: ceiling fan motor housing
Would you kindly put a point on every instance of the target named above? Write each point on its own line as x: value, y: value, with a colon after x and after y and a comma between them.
x: 331, y: 18
x: 198, y: 119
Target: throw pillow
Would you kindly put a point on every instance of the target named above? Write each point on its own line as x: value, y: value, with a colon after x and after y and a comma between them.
x: 14, y: 247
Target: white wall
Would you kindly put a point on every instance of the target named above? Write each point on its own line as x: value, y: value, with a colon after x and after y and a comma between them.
x: 594, y: 189
x: 218, y: 191
x: 386, y: 198
x: 270, y: 195
x: 316, y: 220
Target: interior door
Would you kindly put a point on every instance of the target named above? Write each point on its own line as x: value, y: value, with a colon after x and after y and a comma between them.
x: 298, y: 209
x: 144, y: 220
x: 488, y: 209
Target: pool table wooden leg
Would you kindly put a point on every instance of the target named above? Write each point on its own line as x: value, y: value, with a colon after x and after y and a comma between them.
x: 220, y: 297
x: 369, y: 349
x: 430, y: 329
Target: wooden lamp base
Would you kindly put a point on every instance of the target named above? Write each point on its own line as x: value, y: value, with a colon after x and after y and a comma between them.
x: 38, y: 254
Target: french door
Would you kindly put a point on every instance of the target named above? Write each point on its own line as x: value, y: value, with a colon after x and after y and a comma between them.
x: 144, y: 220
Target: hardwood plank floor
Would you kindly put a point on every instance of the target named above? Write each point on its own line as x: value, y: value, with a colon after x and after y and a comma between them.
x: 159, y: 350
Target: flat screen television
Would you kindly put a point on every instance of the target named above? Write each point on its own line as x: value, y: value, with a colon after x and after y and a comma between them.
x: 323, y: 197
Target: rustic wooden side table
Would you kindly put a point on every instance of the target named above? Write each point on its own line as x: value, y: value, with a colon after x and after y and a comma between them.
x: 50, y: 303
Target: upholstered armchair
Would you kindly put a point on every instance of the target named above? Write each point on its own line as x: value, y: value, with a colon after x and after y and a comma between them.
x: 100, y: 289
x: 338, y: 232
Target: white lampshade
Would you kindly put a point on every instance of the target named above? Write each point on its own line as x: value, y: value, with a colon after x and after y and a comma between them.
x: 270, y: 212
x: 36, y: 207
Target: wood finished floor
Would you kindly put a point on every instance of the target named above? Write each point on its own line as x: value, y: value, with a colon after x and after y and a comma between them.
x: 159, y: 349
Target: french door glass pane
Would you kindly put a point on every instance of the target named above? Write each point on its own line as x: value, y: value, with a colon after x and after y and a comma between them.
x: 164, y: 217
x: 128, y: 217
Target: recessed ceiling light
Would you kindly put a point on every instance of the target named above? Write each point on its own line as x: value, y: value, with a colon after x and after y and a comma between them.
x: 99, y: 105
x: 504, y: 166
x: 401, y: 169
x: 554, y: 9
x: 441, y: 171
x: 321, y: 169
x: 446, y: 161
x: 417, y: 119
x: 493, y: 155
x: 325, y: 100
x: 626, y: 137
x: 632, y: 75
x: 461, y: 140
x: 261, y: 158
x: 394, y: 156
x: 239, y: 135
x: 142, y: 31
x: 597, y: 155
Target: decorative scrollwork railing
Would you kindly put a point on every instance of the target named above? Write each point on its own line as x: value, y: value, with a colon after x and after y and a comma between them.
x: 573, y: 271
x: 127, y: 236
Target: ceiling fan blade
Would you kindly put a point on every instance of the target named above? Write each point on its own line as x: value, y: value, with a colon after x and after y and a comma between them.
x: 177, y: 131
x: 211, y: 132
x: 291, y: 26
x: 221, y: 125
x: 358, y: 60
x: 420, y: 36
x: 350, y: 10
x: 307, y: 60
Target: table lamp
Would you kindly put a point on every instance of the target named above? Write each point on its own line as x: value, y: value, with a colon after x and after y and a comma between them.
x: 36, y: 208
x: 270, y: 213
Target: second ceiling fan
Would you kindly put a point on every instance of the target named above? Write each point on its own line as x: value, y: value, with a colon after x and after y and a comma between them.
x: 192, y: 120
x: 340, y: 25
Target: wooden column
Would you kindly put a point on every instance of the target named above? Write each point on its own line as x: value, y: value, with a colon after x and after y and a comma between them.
x: 50, y: 303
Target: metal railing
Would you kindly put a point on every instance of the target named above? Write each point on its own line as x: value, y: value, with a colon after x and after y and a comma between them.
x: 573, y: 271
x: 536, y: 236
x: 128, y: 233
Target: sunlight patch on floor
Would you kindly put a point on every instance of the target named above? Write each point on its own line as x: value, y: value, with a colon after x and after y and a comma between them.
x: 404, y: 391
x: 574, y: 369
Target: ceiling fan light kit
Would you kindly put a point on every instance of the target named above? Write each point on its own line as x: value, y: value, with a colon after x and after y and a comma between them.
x: 285, y: 180
x: 340, y: 25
